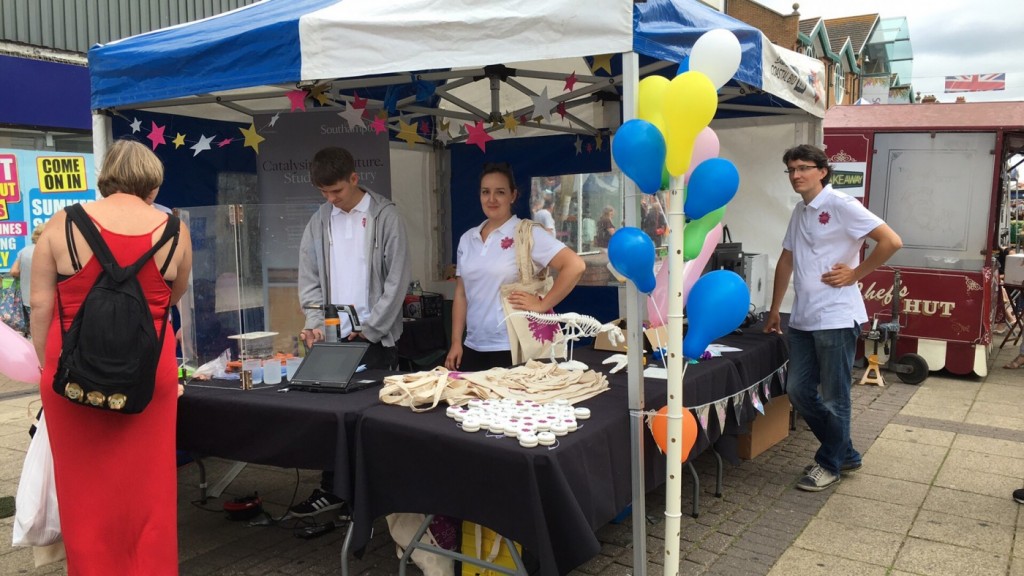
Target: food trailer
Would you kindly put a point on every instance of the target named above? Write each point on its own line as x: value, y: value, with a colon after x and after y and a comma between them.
x: 936, y: 173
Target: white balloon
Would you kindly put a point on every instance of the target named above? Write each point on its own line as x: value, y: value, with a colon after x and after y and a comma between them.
x: 717, y: 55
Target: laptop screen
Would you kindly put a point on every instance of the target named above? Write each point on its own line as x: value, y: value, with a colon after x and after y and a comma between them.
x: 330, y: 363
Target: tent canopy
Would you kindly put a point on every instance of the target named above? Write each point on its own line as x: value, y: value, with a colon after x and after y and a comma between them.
x: 246, y: 60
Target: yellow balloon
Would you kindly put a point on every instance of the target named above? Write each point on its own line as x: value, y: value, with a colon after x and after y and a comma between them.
x: 652, y: 91
x: 688, y: 105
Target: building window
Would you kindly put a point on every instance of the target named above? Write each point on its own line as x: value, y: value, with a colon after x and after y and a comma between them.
x: 839, y: 82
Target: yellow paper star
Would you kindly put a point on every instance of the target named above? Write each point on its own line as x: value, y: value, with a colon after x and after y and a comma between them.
x: 601, y: 61
x: 510, y: 122
x: 178, y: 141
x: 408, y: 133
x: 252, y: 139
x: 319, y: 93
x: 600, y: 140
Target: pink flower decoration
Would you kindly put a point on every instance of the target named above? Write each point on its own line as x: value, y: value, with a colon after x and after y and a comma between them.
x: 506, y: 243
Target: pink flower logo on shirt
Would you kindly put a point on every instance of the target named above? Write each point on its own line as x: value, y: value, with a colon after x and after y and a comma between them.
x: 506, y: 243
x: 824, y: 217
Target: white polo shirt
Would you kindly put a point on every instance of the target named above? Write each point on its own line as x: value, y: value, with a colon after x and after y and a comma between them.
x: 484, y: 267
x: 828, y: 231
x: 348, y: 260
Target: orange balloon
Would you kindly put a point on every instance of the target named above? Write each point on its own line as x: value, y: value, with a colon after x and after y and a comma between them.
x: 659, y: 429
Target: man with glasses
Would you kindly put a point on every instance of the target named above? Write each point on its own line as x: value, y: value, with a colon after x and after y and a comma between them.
x: 821, y: 250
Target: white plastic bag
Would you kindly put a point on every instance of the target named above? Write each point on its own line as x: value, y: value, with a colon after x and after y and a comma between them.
x: 37, y: 521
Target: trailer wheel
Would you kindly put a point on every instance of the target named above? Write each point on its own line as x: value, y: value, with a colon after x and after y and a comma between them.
x: 913, y: 368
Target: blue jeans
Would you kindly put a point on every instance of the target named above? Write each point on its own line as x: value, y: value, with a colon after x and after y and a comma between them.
x: 820, y: 367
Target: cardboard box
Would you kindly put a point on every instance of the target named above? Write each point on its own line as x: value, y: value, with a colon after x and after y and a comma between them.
x: 651, y: 338
x: 1014, y: 270
x: 767, y: 429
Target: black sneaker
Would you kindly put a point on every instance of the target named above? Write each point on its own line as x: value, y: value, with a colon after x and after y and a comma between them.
x: 817, y: 480
x: 319, y: 501
x: 1018, y: 495
x: 846, y: 467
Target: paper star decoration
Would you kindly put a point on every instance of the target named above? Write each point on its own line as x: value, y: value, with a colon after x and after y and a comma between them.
x: 478, y: 135
x: 225, y: 142
x: 319, y: 93
x: 203, y: 144
x: 298, y: 100
x: 600, y: 140
x: 408, y: 133
x: 523, y: 119
x: 424, y: 128
x: 353, y: 116
x: 443, y: 135
x: 136, y: 125
x: 542, y: 105
x: 602, y: 62
x: 579, y: 146
x: 379, y: 125
x: 561, y: 110
x: 570, y: 82
x: 510, y: 123
x: 252, y: 139
x: 357, y: 102
x: 275, y: 119
x: 156, y: 135
x: 178, y: 141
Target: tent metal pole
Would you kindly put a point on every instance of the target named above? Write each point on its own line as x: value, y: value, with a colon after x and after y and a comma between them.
x: 634, y: 315
x: 102, y: 136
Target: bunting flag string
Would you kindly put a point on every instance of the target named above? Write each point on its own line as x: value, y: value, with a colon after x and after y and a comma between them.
x: 702, y: 416
x: 720, y: 409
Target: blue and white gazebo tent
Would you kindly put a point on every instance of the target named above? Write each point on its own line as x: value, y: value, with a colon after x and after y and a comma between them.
x: 243, y: 62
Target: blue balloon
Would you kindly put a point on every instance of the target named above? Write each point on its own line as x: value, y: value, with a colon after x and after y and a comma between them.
x: 639, y: 150
x: 717, y: 305
x: 712, y: 184
x: 684, y: 66
x: 631, y: 252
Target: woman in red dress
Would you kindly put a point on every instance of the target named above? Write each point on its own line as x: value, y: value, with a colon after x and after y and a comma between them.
x: 115, y: 473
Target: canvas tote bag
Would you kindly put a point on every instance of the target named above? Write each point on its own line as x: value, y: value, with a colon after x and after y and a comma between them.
x: 529, y: 339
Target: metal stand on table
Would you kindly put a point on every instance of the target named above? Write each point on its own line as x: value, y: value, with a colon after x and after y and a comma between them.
x: 696, y: 482
x: 221, y: 485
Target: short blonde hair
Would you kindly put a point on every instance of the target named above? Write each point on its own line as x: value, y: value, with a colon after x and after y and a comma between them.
x: 37, y: 232
x: 130, y: 167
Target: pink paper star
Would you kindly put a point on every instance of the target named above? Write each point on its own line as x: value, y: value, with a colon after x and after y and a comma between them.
x: 359, y: 103
x: 424, y: 128
x: 478, y: 135
x: 298, y: 100
x: 561, y: 110
x: 156, y: 135
x: 570, y: 81
x: 225, y: 142
x: 523, y: 119
x: 590, y: 147
x: 378, y: 125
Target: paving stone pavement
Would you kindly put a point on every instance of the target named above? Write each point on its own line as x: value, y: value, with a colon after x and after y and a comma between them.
x: 889, y: 518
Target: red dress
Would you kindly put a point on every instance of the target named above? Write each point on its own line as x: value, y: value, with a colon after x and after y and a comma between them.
x: 115, y: 473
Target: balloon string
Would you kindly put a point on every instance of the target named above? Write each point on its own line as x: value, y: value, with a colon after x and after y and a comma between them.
x: 657, y: 334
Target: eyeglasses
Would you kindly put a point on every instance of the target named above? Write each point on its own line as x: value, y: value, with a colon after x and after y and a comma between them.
x: 800, y: 169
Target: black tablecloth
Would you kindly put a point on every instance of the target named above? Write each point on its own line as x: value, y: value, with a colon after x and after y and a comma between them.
x: 549, y: 500
x: 288, y: 429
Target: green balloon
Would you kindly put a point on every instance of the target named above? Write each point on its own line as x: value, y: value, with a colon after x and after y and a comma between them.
x: 697, y: 230
x: 666, y: 178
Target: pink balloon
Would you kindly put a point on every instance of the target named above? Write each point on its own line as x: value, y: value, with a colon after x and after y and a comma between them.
x: 658, y: 301
x: 706, y: 146
x: 18, y: 359
x: 694, y: 267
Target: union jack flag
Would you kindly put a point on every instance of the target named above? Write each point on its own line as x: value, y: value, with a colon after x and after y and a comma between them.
x: 975, y: 83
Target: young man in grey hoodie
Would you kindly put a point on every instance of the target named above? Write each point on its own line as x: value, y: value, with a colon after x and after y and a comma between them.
x: 354, y: 251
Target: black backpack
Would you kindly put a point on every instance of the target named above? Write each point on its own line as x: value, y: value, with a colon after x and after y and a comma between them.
x: 110, y: 352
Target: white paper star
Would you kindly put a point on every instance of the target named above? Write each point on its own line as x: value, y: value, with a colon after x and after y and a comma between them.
x: 136, y: 126
x: 275, y: 119
x: 443, y: 135
x: 203, y: 144
x: 542, y: 105
x: 353, y: 116
x: 579, y: 146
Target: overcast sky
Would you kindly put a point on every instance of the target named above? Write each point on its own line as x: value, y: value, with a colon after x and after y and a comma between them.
x: 949, y: 37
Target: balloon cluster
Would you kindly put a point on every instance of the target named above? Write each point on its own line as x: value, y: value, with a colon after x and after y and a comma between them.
x: 671, y: 136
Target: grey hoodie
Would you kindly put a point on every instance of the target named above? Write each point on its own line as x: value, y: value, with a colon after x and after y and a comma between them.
x: 388, y: 256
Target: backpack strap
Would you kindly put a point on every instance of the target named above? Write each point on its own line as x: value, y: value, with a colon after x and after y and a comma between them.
x: 102, y: 252
x: 69, y: 237
x: 172, y: 221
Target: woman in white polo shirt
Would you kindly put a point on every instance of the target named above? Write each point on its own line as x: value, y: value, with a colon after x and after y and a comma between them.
x: 486, y: 260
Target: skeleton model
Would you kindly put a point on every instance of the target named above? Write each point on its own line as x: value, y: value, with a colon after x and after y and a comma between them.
x: 575, y: 326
